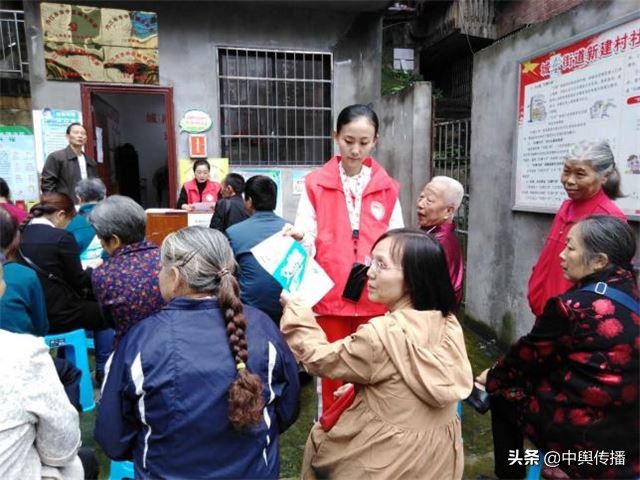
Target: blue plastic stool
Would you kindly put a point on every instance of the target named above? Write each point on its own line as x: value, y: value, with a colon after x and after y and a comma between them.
x: 90, y: 343
x: 75, y: 345
x: 534, y: 472
x: 459, y: 410
x: 121, y: 470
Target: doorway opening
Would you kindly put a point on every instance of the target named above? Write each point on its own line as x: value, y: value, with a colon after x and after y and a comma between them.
x: 132, y: 139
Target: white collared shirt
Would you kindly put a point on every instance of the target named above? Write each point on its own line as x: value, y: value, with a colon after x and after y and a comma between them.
x: 41, y: 221
x: 82, y: 163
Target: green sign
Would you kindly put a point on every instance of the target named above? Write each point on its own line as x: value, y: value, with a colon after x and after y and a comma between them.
x: 195, y: 121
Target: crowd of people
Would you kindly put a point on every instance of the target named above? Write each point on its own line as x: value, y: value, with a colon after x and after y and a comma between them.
x: 198, y: 349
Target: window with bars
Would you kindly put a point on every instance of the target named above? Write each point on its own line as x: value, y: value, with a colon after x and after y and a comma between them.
x: 275, y: 106
x: 13, y: 46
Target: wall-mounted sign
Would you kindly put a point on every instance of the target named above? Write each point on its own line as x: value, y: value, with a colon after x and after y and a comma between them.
x: 17, y: 162
x: 195, y: 121
x: 587, y: 90
x: 50, y: 130
x: 275, y: 175
x: 99, y: 44
x: 297, y: 179
x: 198, y: 145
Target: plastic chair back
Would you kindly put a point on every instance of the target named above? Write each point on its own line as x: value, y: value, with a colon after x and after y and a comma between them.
x: 121, y: 470
x: 75, y: 347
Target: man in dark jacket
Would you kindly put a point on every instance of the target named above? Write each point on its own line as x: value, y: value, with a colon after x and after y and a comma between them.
x: 257, y: 287
x: 65, y: 168
x: 230, y: 208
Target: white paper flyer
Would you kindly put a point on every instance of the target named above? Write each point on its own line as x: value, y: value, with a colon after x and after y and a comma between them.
x: 289, y: 263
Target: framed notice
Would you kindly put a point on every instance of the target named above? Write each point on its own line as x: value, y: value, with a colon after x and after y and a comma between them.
x: 586, y: 90
x: 50, y: 130
x: 18, y: 164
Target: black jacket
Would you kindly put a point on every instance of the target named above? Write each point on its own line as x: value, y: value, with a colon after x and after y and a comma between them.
x: 56, y: 252
x: 61, y: 171
x: 228, y: 211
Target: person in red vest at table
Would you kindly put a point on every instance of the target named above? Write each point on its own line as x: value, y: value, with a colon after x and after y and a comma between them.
x: 200, y: 189
x: 346, y: 205
x: 436, y: 208
x: 592, y: 182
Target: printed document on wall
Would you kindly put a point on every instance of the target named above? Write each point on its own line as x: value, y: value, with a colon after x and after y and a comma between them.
x: 587, y: 90
x: 289, y: 263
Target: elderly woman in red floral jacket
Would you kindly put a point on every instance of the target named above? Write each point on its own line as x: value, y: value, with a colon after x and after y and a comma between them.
x: 571, y: 384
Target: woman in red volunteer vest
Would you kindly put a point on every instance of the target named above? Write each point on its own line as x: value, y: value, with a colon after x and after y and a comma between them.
x: 592, y: 182
x: 347, y: 204
x: 200, y: 189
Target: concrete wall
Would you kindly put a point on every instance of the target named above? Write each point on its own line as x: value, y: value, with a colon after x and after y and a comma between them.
x: 404, y: 149
x: 503, y: 244
x: 190, y: 32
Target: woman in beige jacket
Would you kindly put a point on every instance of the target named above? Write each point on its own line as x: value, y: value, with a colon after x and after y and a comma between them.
x: 409, y: 367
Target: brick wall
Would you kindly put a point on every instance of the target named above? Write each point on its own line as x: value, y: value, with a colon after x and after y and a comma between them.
x: 516, y: 14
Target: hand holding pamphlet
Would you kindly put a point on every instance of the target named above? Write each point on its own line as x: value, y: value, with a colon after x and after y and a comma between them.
x: 289, y: 263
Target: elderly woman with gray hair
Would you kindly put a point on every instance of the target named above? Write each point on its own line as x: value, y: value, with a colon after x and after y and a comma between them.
x: 571, y: 384
x: 203, y: 388
x: 89, y: 191
x: 592, y: 182
x: 126, y: 284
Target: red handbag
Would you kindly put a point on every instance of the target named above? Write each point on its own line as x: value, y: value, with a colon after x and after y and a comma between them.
x: 332, y: 414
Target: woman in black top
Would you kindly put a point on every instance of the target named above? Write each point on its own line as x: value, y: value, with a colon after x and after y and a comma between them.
x: 54, y: 254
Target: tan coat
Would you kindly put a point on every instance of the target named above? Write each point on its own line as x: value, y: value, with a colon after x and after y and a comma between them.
x: 410, y: 368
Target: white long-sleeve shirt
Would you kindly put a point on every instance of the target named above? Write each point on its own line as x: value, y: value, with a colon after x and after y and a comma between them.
x: 39, y: 428
x: 306, y: 221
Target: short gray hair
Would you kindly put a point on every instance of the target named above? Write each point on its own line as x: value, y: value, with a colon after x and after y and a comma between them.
x: 454, y: 191
x: 121, y: 216
x: 201, y: 254
x: 600, y: 155
x: 90, y: 190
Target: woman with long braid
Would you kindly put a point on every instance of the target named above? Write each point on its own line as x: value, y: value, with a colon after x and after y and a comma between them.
x: 203, y: 388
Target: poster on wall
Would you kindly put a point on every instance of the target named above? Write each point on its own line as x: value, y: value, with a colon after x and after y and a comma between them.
x: 99, y: 44
x: 17, y: 163
x: 219, y: 169
x: 297, y: 179
x: 274, y: 174
x: 588, y: 90
x: 50, y: 131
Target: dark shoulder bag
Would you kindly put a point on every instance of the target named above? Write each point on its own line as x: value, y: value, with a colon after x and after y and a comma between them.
x: 48, y: 275
x: 614, y: 294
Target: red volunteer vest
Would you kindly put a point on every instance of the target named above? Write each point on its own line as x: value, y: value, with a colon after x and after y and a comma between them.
x: 209, y: 194
x: 334, y: 243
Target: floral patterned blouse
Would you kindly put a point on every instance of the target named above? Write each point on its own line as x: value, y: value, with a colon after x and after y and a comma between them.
x: 126, y: 285
x: 575, y: 377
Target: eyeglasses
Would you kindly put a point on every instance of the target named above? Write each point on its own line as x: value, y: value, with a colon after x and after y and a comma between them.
x: 377, y: 266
